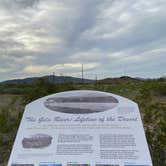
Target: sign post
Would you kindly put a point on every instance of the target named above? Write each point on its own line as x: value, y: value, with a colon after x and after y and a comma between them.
x: 81, y: 128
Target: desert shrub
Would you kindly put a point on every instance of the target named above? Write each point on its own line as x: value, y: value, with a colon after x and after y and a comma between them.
x: 4, y: 121
x: 8, y: 122
x: 160, y: 90
x: 154, y: 120
x: 42, y: 88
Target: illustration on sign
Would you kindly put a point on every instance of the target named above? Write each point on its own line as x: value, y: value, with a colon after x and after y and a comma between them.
x: 37, y: 141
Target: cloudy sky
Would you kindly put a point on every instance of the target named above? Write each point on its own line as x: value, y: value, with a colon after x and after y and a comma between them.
x: 110, y: 37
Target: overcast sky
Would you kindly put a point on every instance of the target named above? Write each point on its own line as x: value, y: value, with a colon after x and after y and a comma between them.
x: 110, y: 37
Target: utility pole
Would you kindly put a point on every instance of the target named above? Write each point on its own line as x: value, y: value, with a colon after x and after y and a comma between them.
x: 82, y: 71
x: 124, y: 71
x: 53, y: 76
x: 96, y: 78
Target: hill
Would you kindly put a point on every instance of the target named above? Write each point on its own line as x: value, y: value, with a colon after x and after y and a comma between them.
x: 51, y: 78
x: 63, y: 79
x: 120, y: 79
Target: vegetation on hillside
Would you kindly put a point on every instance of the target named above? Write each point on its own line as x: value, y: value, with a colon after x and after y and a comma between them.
x: 149, y: 94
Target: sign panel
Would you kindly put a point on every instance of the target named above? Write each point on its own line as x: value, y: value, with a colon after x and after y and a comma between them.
x: 81, y: 128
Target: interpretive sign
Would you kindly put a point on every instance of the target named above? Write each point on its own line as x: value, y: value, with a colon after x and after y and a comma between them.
x: 81, y: 128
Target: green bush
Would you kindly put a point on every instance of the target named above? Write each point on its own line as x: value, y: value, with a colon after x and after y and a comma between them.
x: 42, y: 88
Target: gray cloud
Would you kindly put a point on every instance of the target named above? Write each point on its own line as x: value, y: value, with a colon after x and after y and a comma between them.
x: 116, y: 35
x: 19, y: 4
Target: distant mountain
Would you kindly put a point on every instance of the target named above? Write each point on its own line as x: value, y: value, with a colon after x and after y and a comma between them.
x: 51, y: 78
x: 63, y: 79
x: 24, y: 80
x: 121, y: 79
